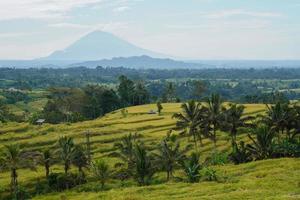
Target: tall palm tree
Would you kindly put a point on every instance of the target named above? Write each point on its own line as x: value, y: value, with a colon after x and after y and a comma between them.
x: 65, y: 151
x: 101, y: 171
x: 144, y: 169
x: 189, y: 120
x: 13, y: 158
x: 213, y: 116
x: 46, y: 159
x: 233, y: 119
x: 80, y: 159
x: 170, y: 155
x: 126, y: 149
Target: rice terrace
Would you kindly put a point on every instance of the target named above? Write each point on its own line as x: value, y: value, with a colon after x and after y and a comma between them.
x: 149, y: 100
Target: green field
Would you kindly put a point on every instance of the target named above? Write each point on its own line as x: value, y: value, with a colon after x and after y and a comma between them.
x: 269, y: 179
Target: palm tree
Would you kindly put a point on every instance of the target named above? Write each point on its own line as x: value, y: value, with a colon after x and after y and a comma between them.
x: 262, y: 146
x: 278, y: 116
x: 101, y: 171
x: 213, y: 116
x: 170, y: 154
x: 192, y: 167
x: 233, y: 119
x: 189, y: 120
x: 80, y: 159
x: 65, y: 151
x: 144, y: 169
x: 13, y: 158
x: 46, y: 159
x: 126, y: 149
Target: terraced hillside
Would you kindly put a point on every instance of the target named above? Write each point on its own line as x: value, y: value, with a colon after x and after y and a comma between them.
x: 253, y: 179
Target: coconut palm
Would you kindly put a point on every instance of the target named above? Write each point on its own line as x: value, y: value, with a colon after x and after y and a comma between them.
x: 213, y: 116
x: 144, y: 169
x: 46, y: 159
x: 189, y: 120
x: 170, y: 155
x: 278, y: 116
x: 262, y: 146
x: 126, y: 149
x: 80, y: 159
x: 13, y: 158
x: 101, y: 171
x: 233, y: 119
x: 65, y: 151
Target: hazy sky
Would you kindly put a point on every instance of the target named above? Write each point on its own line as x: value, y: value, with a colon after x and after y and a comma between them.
x: 199, y: 29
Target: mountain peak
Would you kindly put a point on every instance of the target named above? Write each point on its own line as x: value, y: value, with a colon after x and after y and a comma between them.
x: 98, y: 45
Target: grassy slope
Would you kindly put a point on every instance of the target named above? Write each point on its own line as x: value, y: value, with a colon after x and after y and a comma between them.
x: 153, y: 128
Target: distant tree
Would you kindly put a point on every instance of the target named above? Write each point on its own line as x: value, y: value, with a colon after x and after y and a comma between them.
x: 141, y: 94
x: 198, y: 89
x: 66, y: 148
x: 126, y: 90
x: 159, y: 107
x: 4, y: 112
x: 101, y: 171
x: 169, y: 94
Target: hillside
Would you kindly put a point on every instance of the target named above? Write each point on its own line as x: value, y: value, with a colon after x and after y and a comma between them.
x: 254, y: 180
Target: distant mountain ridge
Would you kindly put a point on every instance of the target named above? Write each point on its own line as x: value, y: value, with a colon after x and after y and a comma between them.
x: 140, y: 62
x: 99, y: 45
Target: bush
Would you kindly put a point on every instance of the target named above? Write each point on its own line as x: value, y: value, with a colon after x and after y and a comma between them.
x: 21, y: 194
x: 217, y: 158
x: 240, y: 154
x: 209, y: 174
x: 287, y: 148
x: 61, y: 181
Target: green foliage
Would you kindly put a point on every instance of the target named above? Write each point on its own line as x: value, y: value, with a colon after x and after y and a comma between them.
x: 170, y: 155
x: 209, y: 174
x: 191, y: 166
x: 159, y: 107
x: 144, y: 169
x: 262, y: 146
x: 101, y: 171
x: 217, y: 158
x: 66, y: 149
x: 240, y: 153
x: 21, y: 194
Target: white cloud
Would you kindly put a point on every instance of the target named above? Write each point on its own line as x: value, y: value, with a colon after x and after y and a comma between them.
x: 240, y: 12
x: 121, y: 9
x: 40, y: 9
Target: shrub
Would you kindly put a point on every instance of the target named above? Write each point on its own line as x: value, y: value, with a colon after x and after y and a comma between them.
x: 287, y: 148
x: 240, y: 154
x: 209, y: 174
x: 191, y: 167
x: 217, y: 158
x: 21, y: 194
x: 61, y: 181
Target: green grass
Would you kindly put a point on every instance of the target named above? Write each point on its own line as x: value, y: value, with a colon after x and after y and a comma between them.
x: 257, y: 180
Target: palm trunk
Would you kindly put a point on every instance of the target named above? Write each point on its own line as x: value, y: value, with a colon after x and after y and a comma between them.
x: 14, y: 180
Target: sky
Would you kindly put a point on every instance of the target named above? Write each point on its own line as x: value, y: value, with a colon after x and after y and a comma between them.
x: 187, y: 29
